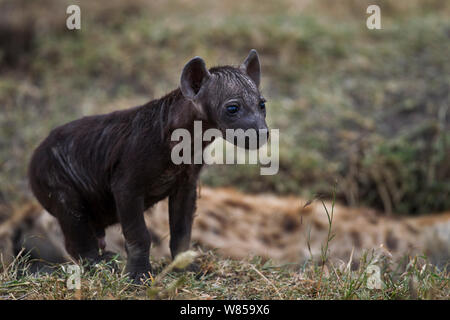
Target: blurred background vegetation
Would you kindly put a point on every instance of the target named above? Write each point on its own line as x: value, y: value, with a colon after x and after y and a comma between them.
x: 366, y: 108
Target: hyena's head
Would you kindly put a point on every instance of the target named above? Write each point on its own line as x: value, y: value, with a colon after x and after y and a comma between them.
x: 230, y: 99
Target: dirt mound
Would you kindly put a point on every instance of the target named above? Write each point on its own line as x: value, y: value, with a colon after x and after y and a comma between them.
x: 240, y: 225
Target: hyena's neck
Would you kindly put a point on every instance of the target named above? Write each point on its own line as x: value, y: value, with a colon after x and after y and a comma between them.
x: 177, y: 112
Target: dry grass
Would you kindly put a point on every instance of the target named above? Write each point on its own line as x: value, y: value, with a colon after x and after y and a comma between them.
x: 251, y: 278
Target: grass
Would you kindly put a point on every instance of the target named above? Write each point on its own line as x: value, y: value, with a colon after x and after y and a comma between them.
x: 221, y: 278
x: 252, y: 278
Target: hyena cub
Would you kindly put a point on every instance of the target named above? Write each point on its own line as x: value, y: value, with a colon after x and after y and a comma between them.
x: 99, y: 170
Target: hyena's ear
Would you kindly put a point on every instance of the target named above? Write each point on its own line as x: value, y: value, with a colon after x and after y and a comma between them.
x: 252, y: 67
x: 193, y: 77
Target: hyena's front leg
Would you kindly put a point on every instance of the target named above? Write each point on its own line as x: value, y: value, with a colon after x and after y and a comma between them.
x: 181, y: 214
x: 137, y: 238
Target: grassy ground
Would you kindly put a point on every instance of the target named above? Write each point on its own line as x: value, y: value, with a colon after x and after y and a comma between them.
x: 376, y: 277
x: 221, y: 278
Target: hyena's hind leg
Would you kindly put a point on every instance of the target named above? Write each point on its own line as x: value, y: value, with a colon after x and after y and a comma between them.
x: 79, y: 237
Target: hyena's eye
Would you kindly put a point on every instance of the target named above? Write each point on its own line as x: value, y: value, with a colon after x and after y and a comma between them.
x: 262, y: 105
x: 232, y: 109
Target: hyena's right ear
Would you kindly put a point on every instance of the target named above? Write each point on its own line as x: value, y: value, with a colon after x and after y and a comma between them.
x: 194, y: 75
x: 252, y: 67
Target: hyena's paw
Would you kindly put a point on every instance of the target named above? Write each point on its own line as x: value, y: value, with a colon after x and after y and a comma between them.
x: 139, y: 278
x: 139, y: 275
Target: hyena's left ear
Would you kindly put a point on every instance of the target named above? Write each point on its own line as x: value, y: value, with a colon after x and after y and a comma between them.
x: 193, y: 76
x: 252, y: 67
